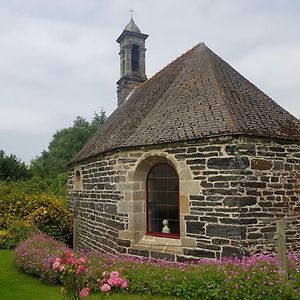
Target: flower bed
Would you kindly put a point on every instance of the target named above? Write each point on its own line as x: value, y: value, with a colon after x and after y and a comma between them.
x: 249, y: 278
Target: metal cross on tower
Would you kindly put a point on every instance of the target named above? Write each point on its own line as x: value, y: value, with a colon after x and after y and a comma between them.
x: 131, y: 11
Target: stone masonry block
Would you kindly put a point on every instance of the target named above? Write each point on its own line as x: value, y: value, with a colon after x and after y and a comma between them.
x: 130, y: 175
x: 226, y: 231
x: 128, y: 186
x: 261, y: 164
x: 184, y: 204
x: 128, y: 195
x: 199, y: 253
x: 185, y: 174
x: 195, y: 227
x: 240, y: 201
x: 138, y: 195
x: 228, y: 251
x: 136, y: 222
x: 189, y: 187
x: 188, y: 242
x: 125, y: 207
x: 228, y: 163
x: 129, y: 235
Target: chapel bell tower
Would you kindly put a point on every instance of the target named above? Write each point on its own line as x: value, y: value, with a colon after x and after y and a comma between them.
x: 132, y: 60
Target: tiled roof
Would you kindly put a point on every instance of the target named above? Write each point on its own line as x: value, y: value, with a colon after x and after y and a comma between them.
x: 196, y: 96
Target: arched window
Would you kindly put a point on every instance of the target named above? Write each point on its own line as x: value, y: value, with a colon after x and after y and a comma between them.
x: 77, y: 180
x: 135, y: 56
x: 163, y: 201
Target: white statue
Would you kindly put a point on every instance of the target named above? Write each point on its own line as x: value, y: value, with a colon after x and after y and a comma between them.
x: 166, y: 228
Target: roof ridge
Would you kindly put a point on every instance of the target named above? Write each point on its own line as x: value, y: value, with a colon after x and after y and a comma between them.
x: 173, y: 61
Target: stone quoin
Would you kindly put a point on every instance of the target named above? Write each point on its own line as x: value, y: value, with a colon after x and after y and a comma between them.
x: 197, y: 149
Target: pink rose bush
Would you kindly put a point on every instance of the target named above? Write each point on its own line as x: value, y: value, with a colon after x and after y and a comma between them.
x: 72, y: 275
x: 84, y: 292
x: 114, y: 280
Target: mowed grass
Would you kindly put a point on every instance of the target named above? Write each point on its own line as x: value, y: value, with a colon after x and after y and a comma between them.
x: 15, y: 285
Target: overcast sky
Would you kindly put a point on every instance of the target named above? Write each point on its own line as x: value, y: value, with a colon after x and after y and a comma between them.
x: 59, y: 58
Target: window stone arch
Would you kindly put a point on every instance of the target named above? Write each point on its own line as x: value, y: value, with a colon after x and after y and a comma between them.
x: 134, y: 203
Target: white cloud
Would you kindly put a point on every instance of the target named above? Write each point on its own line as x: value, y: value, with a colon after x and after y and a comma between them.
x: 23, y: 120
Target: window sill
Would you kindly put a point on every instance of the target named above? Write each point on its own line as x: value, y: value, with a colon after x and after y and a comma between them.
x: 163, y: 235
x: 159, y: 243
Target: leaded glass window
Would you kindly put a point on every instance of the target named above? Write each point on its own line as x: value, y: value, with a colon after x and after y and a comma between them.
x: 162, y: 201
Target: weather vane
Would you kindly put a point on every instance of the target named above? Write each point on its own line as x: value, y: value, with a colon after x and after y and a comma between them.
x: 131, y: 11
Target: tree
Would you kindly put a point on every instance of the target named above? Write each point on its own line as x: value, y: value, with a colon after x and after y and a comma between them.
x: 11, y: 168
x: 64, y: 145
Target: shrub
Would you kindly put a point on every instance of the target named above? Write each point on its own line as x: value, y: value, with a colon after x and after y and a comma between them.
x: 16, y: 232
x: 46, y: 212
x: 72, y: 274
x: 36, y: 255
x: 3, y: 238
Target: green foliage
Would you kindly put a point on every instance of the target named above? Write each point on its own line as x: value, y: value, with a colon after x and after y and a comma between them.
x: 11, y: 168
x: 58, y: 186
x: 64, y: 145
x: 16, y: 232
x: 26, y: 203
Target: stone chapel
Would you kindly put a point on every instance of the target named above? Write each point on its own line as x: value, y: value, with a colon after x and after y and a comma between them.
x: 194, y: 162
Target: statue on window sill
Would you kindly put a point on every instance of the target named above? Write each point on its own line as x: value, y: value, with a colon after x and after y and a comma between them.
x: 166, y: 228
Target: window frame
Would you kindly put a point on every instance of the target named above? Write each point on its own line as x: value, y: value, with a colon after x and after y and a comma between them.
x: 160, y: 234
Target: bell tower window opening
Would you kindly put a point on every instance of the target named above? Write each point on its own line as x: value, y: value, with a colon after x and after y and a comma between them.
x: 135, y: 56
x: 162, y: 204
x: 123, y: 67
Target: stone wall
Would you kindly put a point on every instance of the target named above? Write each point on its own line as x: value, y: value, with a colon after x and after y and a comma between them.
x: 231, y: 191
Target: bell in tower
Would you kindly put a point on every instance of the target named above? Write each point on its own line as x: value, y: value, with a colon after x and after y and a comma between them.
x: 132, y: 60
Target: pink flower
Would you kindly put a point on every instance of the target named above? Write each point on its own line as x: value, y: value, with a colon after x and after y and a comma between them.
x: 124, y: 284
x: 70, y: 260
x: 103, y: 274
x: 114, y: 274
x: 113, y: 281
x: 117, y: 281
x: 57, y: 265
x: 82, y: 260
x: 84, y: 292
x: 80, y: 269
x: 105, y: 288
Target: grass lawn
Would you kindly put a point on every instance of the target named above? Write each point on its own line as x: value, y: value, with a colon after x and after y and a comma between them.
x: 15, y: 285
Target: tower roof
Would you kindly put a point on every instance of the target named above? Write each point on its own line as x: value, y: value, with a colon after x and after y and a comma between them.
x: 196, y: 96
x: 131, y: 30
x: 131, y: 26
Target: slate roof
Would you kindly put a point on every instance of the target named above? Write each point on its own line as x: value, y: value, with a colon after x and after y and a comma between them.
x: 196, y: 96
